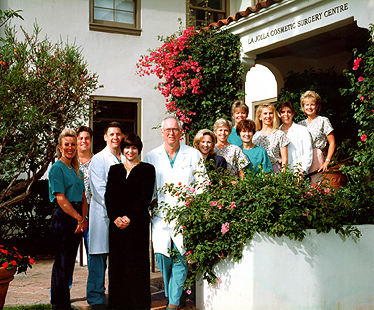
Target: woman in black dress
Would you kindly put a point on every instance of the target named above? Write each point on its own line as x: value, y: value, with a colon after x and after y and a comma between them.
x: 128, y: 195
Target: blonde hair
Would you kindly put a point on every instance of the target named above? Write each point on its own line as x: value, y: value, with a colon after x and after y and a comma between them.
x: 276, y: 121
x: 199, y: 136
x: 309, y: 94
x: 222, y: 122
x: 67, y: 132
x: 239, y: 105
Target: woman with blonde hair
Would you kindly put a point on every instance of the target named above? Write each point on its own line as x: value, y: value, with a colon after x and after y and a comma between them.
x: 239, y: 111
x: 204, y: 141
x: 235, y: 158
x: 269, y: 137
x: 321, y: 132
x: 66, y: 190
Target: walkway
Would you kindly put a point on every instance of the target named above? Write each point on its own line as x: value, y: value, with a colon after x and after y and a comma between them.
x: 33, y: 288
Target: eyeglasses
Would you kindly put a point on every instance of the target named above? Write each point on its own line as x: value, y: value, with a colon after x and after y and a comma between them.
x: 169, y: 130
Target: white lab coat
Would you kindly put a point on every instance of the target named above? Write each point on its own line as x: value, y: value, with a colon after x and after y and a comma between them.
x: 187, y: 161
x: 98, y: 218
x: 300, y: 152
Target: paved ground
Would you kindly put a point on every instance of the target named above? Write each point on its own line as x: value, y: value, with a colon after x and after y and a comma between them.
x: 33, y: 288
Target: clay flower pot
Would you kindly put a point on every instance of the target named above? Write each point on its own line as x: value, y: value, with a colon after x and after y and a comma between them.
x: 337, y: 178
x: 5, y: 277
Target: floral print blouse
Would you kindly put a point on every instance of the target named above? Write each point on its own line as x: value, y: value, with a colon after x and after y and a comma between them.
x: 319, y: 128
x: 272, y: 143
x: 236, y: 159
x: 85, y: 168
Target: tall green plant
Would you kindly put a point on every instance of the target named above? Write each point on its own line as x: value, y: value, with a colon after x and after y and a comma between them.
x: 361, y: 174
x: 44, y: 87
x: 201, y: 75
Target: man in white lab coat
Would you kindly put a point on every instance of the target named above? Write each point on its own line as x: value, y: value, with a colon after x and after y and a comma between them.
x: 174, y: 162
x: 99, y: 221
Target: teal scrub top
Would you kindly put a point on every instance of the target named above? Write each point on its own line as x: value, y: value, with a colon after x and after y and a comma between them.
x: 258, y: 157
x: 63, y: 179
x: 234, y: 138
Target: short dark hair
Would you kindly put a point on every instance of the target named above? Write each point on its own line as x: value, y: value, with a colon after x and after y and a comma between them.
x: 113, y: 124
x: 84, y: 128
x: 245, y: 124
x: 287, y: 104
x: 131, y: 139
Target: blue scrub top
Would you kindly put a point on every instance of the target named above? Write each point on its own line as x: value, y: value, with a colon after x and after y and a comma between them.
x: 258, y: 157
x: 63, y: 179
x: 234, y: 138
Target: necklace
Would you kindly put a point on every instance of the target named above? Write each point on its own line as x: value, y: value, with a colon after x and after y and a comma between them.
x: 132, y: 167
x: 69, y: 167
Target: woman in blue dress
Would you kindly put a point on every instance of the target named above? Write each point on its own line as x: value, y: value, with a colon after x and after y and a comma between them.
x: 66, y: 190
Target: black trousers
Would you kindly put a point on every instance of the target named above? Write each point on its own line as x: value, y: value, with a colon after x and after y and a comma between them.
x: 66, y: 246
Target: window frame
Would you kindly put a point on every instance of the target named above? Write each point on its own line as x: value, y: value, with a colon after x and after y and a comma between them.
x: 191, y: 7
x: 137, y: 101
x: 117, y: 27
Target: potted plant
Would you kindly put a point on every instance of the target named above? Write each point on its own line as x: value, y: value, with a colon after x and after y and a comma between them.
x: 11, y: 261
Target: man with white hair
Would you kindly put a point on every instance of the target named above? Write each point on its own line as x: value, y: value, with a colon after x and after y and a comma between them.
x: 175, y: 163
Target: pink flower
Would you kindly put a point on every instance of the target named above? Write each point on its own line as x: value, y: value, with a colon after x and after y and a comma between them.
x: 225, y: 228
x: 363, y: 138
x: 356, y: 63
x: 362, y: 98
x: 219, y: 280
x: 213, y: 203
x: 208, y: 183
x: 360, y: 79
x: 220, y: 206
x: 233, y: 205
x: 188, y: 292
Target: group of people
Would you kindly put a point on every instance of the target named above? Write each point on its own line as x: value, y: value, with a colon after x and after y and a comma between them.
x: 113, y: 189
x: 273, y: 141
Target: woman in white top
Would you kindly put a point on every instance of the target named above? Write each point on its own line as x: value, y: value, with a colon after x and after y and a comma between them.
x: 268, y: 136
x: 321, y: 132
x: 300, y: 152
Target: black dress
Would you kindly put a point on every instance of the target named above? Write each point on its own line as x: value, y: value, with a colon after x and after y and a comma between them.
x: 129, y: 268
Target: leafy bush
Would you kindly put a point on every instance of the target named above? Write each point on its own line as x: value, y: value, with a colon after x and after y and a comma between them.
x: 202, y: 75
x: 221, y: 219
x: 27, y: 226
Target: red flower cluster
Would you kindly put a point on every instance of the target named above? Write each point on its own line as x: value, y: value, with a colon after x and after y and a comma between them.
x: 180, y: 74
x: 10, y: 259
x: 356, y: 63
x: 363, y: 138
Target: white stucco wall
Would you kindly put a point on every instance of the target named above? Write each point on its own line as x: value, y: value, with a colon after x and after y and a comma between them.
x: 112, y: 56
x: 324, y: 271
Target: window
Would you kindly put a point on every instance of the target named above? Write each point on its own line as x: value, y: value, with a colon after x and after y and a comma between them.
x: 126, y: 111
x: 118, y: 16
x: 204, y: 12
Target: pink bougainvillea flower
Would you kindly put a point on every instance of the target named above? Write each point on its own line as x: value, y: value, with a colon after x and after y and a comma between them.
x: 233, y: 205
x: 362, y: 98
x: 363, y: 138
x: 219, y: 280
x: 360, y: 79
x: 225, y: 228
x: 220, y: 206
x: 213, y: 203
x: 188, y: 292
x: 356, y: 63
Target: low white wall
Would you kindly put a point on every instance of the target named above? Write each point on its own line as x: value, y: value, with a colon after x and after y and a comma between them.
x: 324, y: 271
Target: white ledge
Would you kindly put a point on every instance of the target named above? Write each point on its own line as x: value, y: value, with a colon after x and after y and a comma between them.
x: 324, y: 271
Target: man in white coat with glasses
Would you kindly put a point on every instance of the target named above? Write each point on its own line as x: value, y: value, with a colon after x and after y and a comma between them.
x: 175, y: 162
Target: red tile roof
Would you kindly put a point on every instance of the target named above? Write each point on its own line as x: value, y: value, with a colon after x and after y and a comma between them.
x: 238, y: 15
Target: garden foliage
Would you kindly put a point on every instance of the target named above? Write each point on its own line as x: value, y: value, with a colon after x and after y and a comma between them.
x: 222, y: 219
x: 201, y: 75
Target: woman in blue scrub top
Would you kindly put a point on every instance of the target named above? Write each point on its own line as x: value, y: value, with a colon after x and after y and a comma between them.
x: 66, y: 190
x: 239, y: 111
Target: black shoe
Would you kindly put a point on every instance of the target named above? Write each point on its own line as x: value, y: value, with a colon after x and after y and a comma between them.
x: 99, y: 307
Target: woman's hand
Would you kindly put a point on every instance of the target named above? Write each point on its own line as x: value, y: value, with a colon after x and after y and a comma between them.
x: 122, y: 222
x: 81, y: 226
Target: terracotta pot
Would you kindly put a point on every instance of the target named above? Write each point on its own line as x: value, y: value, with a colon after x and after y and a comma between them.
x: 5, y: 277
x: 337, y: 179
